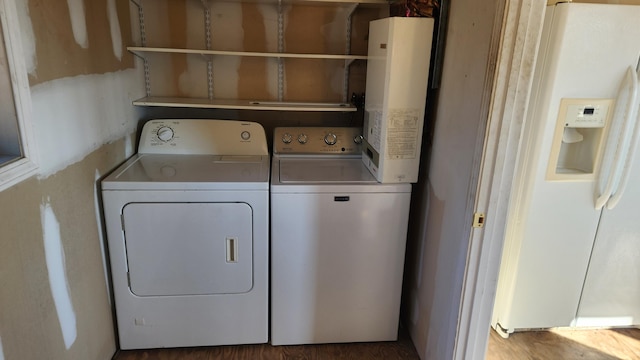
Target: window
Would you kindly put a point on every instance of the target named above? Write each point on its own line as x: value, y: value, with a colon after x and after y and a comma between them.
x: 16, y: 136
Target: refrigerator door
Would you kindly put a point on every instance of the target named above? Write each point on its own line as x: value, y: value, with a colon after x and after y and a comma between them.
x: 552, y: 223
x: 632, y: 151
x: 619, y: 141
x: 611, y: 293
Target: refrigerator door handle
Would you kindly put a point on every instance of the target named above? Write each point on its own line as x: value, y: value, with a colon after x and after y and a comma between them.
x: 631, y: 152
x: 618, y: 138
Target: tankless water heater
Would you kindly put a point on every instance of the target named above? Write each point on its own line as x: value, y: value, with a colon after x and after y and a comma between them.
x: 396, y: 93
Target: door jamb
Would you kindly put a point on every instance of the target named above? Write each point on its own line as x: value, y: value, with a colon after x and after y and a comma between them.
x: 520, y: 38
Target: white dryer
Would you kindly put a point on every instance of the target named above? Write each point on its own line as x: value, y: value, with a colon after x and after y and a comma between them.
x: 337, y: 241
x: 187, y: 227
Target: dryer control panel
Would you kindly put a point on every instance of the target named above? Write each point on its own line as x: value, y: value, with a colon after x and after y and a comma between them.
x: 203, y: 136
x: 317, y: 140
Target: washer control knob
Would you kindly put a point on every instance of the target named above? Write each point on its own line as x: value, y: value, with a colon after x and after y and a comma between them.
x: 358, y: 139
x: 330, y: 139
x: 245, y: 135
x: 302, y: 138
x: 165, y: 133
x: 286, y: 138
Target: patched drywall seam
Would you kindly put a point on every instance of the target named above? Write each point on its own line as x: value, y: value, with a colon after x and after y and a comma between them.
x: 270, y: 15
x: 333, y: 30
x: 114, y: 26
x: 78, y: 22
x: 227, y: 34
x: 251, y: 73
x: 27, y: 36
x: 74, y: 116
x: 54, y: 256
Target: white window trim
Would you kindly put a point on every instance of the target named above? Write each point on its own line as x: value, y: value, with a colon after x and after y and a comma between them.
x: 16, y: 171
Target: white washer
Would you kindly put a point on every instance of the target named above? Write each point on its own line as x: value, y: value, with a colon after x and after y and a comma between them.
x: 337, y: 241
x: 187, y: 226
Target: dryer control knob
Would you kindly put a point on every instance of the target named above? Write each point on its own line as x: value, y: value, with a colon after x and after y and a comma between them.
x: 330, y: 139
x: 286, y: 138
x: 165, y: 133
x: 358, y: 139
x: 302, y: 138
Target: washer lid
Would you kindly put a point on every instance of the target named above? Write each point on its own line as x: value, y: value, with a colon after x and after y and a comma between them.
x: 161, y: 171
x: 324, y: 170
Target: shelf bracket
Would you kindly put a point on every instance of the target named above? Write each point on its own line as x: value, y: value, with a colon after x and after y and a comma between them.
x: 143, y: 42
x: 207, y: 30
x: 280, y: 50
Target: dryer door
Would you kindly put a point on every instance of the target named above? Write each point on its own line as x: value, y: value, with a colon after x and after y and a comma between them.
x: 188, y: 248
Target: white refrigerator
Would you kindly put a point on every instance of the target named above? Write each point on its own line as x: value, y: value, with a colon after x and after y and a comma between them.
x: 572, y: 250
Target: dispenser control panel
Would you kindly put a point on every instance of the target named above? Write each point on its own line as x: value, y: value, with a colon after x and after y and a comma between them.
x: 586, y: 113
x: 578, y: 138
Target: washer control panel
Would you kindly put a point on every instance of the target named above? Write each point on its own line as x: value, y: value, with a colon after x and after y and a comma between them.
x: 317, y: 140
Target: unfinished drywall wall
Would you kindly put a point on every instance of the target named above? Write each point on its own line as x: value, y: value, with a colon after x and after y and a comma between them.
x: 74, y: 37
x: 82, y: 83
x: 53, y: 298
x: 54, y: 301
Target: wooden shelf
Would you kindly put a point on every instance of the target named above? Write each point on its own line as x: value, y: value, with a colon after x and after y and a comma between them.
x: 242, y: 104
x: 141, y: 51
x: 337, y: 62
x: 328, y: 2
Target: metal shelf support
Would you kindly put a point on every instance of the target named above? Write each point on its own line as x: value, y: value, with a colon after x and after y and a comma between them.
x: 143, y: 42
x: 280, y: 50
x: 207, y: 30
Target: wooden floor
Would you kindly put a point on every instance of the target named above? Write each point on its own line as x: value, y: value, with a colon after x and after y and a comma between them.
x: 398, y: 350
x: 566, y: 344
x: 554, y: 344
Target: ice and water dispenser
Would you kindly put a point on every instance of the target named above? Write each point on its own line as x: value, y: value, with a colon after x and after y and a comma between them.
x: 578, y: 138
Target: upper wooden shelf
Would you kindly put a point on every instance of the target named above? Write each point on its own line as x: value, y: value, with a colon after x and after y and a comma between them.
x: 243, y: 104
x: 141, y: 51
x: 209, y: 101
x: 328, y: 2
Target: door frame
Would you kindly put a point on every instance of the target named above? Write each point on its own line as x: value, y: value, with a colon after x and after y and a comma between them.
x: 520, y: 38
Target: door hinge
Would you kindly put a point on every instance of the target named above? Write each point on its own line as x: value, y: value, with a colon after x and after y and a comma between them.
x: 478, y: 220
